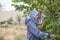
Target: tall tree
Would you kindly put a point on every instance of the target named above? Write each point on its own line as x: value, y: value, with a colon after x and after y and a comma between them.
x: 0, y: 7
x: 51, y: 8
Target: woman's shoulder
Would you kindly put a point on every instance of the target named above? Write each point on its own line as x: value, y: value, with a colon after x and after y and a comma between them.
x: 27, y: 20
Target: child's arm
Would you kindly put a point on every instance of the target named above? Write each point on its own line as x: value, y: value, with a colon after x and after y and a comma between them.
x: 35, y: 31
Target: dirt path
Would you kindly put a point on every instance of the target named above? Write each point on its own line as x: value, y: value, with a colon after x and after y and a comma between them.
x: 13, y: 32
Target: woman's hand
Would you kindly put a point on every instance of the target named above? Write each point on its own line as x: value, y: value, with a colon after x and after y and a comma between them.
x: 52, y: 36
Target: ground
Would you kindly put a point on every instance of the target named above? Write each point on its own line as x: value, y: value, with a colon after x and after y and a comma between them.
x: 14, y: 32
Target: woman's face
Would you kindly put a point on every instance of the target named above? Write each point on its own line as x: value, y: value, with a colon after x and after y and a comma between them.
x: 37, y: 16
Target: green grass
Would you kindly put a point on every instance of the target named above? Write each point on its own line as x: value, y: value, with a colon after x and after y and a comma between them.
x: 20, y: 37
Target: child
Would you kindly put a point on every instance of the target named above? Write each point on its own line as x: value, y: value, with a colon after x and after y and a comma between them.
x: 33, y: 33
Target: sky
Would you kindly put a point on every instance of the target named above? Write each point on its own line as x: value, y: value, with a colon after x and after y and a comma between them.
x: 7, y: 5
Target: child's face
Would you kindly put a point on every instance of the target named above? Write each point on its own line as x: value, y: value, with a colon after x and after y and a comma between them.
x: 37, y: 16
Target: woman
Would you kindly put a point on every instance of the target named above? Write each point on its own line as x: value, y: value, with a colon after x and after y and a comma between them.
x: 33, y: 33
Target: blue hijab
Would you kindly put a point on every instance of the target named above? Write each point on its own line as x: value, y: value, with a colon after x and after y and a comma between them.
x: 32, y: 15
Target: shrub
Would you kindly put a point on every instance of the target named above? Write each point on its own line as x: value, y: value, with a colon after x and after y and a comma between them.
x: 9, y: 21
x: 4, y: 25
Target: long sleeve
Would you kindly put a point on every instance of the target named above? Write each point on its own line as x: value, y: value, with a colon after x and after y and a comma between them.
x: 32, y: 27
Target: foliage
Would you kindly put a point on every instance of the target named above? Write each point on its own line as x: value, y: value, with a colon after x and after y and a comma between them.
x: 50, y: 8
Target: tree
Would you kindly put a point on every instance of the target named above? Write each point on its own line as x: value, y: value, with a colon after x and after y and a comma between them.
x: 50, y: 8
x: 0, y: 7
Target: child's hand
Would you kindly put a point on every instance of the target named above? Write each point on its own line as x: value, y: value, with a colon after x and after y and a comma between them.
x: 53, y: 36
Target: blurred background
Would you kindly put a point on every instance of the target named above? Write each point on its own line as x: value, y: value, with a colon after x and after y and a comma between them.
x: 13, y: 14
x: 12, y: 21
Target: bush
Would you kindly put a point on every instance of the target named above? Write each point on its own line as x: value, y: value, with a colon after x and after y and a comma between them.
x: 4, y: 25
x: 51, y: 27
x: 9, y: 21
